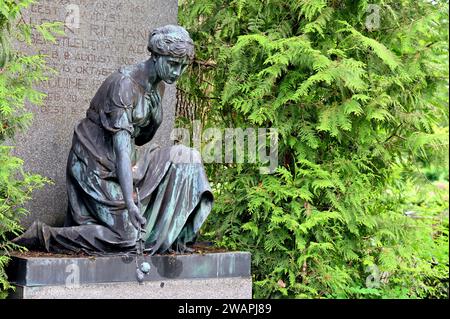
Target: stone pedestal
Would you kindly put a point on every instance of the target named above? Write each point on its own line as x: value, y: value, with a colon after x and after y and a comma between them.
x: 195, y: 276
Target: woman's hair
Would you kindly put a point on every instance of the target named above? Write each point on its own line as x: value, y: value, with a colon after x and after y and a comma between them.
x: 171, y: 40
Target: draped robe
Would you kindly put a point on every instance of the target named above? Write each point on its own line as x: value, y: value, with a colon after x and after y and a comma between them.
x: 174, y: 193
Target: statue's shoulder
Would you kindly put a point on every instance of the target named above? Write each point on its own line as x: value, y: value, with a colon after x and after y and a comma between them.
x: 123, y: 90
x: 126, y: 70
x: 120, y: 79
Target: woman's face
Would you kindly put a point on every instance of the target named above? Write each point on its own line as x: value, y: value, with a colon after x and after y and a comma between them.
x: 169, y: 68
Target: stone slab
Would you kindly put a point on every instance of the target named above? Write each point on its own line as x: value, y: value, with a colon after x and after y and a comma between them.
x: 100, y: 37
x: 217, y: 288
x: 191, y: 276
x: 33, y: 271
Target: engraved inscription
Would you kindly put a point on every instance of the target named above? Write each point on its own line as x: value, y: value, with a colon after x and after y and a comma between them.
x: 100, y: 37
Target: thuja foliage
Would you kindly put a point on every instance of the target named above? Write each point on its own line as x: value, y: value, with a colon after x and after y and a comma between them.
x: 19, y: 73
x: 358, y: 91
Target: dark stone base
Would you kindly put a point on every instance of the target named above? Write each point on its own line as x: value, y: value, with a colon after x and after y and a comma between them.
x: 211, y: 275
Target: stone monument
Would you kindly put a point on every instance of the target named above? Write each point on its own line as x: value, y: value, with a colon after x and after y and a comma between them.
x: 100, y: 37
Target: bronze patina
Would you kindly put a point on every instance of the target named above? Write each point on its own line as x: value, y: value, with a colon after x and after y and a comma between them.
x: 123, y: 197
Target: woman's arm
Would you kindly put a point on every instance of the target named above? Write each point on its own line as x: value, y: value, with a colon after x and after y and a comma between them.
x: 122, y: 149
x: 147, y: 132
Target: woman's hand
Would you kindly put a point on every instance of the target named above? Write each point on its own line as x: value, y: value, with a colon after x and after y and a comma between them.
x: 136, y: 219
x: 155, y: 98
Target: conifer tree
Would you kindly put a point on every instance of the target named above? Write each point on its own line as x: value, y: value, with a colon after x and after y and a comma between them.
x: 19, y: 74
x: 358, y: 91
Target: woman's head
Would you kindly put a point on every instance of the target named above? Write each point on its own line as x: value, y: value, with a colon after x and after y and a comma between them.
x: 172, y: 49
x: 171, y: 40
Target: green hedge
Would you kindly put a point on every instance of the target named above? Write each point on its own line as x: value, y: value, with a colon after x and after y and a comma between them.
x: 19, y: 74
x: 358, y: 93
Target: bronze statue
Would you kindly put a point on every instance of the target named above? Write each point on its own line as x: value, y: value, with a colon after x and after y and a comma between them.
x: 116, y: 188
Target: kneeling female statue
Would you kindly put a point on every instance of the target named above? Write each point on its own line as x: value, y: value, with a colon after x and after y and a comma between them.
x: 117, y: 190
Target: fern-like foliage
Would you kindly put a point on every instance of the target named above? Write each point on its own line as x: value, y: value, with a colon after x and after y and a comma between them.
x: 356, y: 108
x: 19, y: 75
